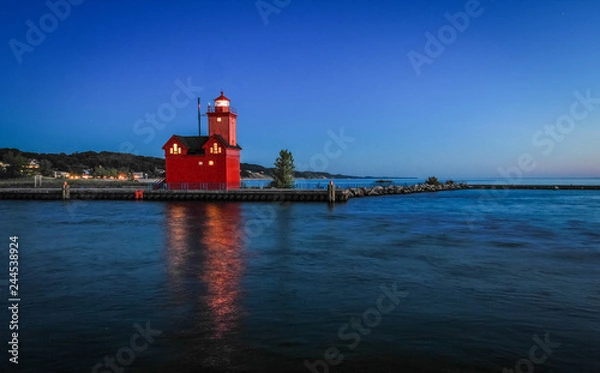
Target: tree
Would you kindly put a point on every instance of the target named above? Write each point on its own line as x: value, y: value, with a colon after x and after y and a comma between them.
x: 432, y: 180
x: 15, y: 164
x: 46, y: 167
x: 283, y: 175
x: 61, y: 165
x: 77, y: 169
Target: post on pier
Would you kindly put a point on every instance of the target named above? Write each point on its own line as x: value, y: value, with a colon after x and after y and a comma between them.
x: 66, y: 191
x: 331, y: 192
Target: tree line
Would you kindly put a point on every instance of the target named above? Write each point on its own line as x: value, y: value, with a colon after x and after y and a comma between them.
x: 16, y: 163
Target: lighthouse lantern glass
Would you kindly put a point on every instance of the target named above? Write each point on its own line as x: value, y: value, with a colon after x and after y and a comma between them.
x: 222, y: 103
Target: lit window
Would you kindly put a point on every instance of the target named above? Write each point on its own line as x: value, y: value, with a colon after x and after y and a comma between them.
x: 175, y: 149
x: 215, y: 149
x: 171, y: 150
x: 218, y: 119
x: 211, y: 163
x: 200, y: 163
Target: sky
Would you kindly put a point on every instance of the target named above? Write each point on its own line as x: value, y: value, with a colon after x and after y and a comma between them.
x: 456, y: 89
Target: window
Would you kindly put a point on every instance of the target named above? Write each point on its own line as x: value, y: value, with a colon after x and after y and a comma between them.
x: 175, y: 149
x: 218, y: 119
x: 215, y: 149
x: 200, y: 163
x: 211, y: 163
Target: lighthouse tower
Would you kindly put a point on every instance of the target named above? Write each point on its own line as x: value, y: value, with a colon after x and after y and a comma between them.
x: 221, y: 120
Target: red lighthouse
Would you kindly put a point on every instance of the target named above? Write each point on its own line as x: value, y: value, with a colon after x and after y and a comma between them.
x: 206, y: 162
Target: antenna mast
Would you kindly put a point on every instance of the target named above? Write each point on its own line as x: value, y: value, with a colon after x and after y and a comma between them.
x: 199, y: 121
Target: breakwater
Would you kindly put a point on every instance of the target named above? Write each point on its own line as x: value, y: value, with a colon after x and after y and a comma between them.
x: 424, y: 188
x: 535, y: 187
x: 266, y: 195
x: 395, y: 189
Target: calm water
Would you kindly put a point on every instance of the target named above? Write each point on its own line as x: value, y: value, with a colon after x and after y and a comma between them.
x: 352, y: 183
x: 253, y: 287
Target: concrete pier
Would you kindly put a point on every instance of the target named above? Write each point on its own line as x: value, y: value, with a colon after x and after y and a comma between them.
x: 266, y: 195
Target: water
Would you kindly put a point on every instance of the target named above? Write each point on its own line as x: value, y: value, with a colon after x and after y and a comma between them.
x: 257, y: 287
x: 353, y: 183
x: 322, y: 183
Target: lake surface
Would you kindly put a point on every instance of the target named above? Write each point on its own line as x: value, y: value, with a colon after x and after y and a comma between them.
x: 368, y: 182
x: 481, y: 279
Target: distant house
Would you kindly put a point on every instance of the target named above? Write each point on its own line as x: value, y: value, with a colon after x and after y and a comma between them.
x: 206, y: 162
x: 87, y: 174
x: 61, y: 175
x: 139, y: 175
x: 33, y: 164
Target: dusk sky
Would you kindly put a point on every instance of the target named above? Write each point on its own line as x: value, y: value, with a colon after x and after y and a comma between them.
x: 508, y: 90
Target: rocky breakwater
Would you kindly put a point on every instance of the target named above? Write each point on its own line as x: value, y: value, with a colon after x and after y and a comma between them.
x: 418, y: 188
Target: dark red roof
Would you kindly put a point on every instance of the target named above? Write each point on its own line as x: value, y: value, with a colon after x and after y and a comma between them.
x: 195, y: 144
x: 222, y: 97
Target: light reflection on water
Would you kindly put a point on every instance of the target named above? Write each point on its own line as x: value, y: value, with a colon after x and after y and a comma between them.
x: 204, y: 250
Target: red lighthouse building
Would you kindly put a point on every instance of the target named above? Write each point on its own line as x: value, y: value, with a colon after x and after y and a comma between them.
x: 206, y: 162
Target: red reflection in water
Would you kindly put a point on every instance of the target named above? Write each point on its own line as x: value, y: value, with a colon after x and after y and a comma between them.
x: 204, y: 241
x: 177, y: 237
x: 223, y: 265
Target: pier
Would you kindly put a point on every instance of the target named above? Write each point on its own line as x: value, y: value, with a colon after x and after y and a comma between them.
x: 266, y: 195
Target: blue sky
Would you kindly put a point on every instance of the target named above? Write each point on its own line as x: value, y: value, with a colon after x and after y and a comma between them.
x: 486, y: 106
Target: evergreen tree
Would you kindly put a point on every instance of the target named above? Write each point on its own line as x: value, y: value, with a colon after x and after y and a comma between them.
x: 432, y: 180
x: 284, y: 170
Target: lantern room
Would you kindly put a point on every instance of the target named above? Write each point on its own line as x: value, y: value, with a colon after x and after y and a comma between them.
x: 222, y: 104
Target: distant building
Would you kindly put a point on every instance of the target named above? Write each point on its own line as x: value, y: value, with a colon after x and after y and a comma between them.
x: 61, y: 174
x: 33, y: 164
x: 139, y: 175
x: 206, y: 162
